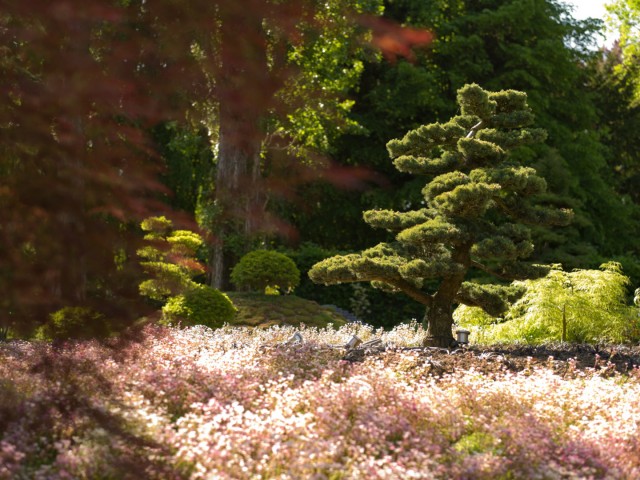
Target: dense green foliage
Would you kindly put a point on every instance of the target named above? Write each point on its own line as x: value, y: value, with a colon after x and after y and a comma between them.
x: 262, y: 269
x: 291, y: 113
x: 582, y: 306
x: 532, y: 46
x: 278, y: 95
x: 199, y: 305
x: 188, y: 164
x: 626, y: 17
x: 169, y: 258
x: 619, y: 123
x: 73, y: 322
x: 473, y: 216
x: 371, y: 305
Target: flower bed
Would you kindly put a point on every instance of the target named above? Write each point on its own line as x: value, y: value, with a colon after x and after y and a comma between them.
x: 237, y: 403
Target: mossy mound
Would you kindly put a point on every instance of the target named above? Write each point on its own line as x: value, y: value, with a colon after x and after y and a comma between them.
x: 260, y: 310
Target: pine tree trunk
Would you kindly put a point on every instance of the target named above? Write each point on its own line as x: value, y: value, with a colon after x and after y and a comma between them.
x: 438, y: 319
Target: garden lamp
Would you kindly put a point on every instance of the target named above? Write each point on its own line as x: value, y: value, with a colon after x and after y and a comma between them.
x: 462, y: 336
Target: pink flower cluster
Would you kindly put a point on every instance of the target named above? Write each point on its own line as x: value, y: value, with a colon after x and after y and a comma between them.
x: 241, y: 404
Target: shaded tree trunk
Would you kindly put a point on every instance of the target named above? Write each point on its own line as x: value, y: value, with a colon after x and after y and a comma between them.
x: 74, y: 274
x: 237, y: 193
x: 72, y: 227
x: 245, y: 91
x: 438, y: 319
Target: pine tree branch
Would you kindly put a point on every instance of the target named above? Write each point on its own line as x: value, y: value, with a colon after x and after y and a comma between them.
x: 474, y: 130
x: 486, y: 269
x: 406, y: 287
x: 410, y: 290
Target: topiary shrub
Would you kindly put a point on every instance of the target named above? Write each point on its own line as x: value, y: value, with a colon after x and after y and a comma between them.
x: 74, y: 322
x: 262, y: 269
x: 200, y: 305
x: 170, y: 259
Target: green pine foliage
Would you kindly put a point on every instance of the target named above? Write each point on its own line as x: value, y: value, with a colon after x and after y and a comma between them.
x: 536, y: 46
x: 583, y: 306
x: 528, y: 45
x: 370, y: 305
x: 476, y: 206
x: 169, y: 259
x: 73, y: 323
x: 265, y: 269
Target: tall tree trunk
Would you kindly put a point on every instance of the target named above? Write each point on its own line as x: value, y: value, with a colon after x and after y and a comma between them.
x: 72, y: 227
x: 237, y: 193
x: 244, y: 95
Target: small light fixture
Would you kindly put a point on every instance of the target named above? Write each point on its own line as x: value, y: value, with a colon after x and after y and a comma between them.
x: 462, y: 336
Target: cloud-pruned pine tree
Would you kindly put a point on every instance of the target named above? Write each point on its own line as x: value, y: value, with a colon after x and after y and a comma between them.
x: 477, y: 208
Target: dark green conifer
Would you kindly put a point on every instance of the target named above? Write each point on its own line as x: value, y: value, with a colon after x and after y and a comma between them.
x: 476, y: 208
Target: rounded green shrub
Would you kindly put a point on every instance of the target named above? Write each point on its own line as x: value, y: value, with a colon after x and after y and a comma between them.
x: 200, y: 305
x: 74, y: 322
x: 260, y: 269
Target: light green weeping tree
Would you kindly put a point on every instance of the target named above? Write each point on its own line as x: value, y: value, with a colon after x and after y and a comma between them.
x: 476, y: 209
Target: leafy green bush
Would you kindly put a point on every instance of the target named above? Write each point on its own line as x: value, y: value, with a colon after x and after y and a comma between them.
x: 74, y: 322
x: 200, y: 305
x: 260, y: 269
x: 582, y: 306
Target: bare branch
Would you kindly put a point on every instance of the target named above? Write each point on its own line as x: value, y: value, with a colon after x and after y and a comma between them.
x: 474, y: 130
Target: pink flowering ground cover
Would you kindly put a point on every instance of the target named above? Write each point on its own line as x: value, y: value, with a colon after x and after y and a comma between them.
x: 238, y: 404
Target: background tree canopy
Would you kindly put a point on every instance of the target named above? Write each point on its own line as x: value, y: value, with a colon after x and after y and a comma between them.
x: 111, y: 113
x: 534, y: 46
